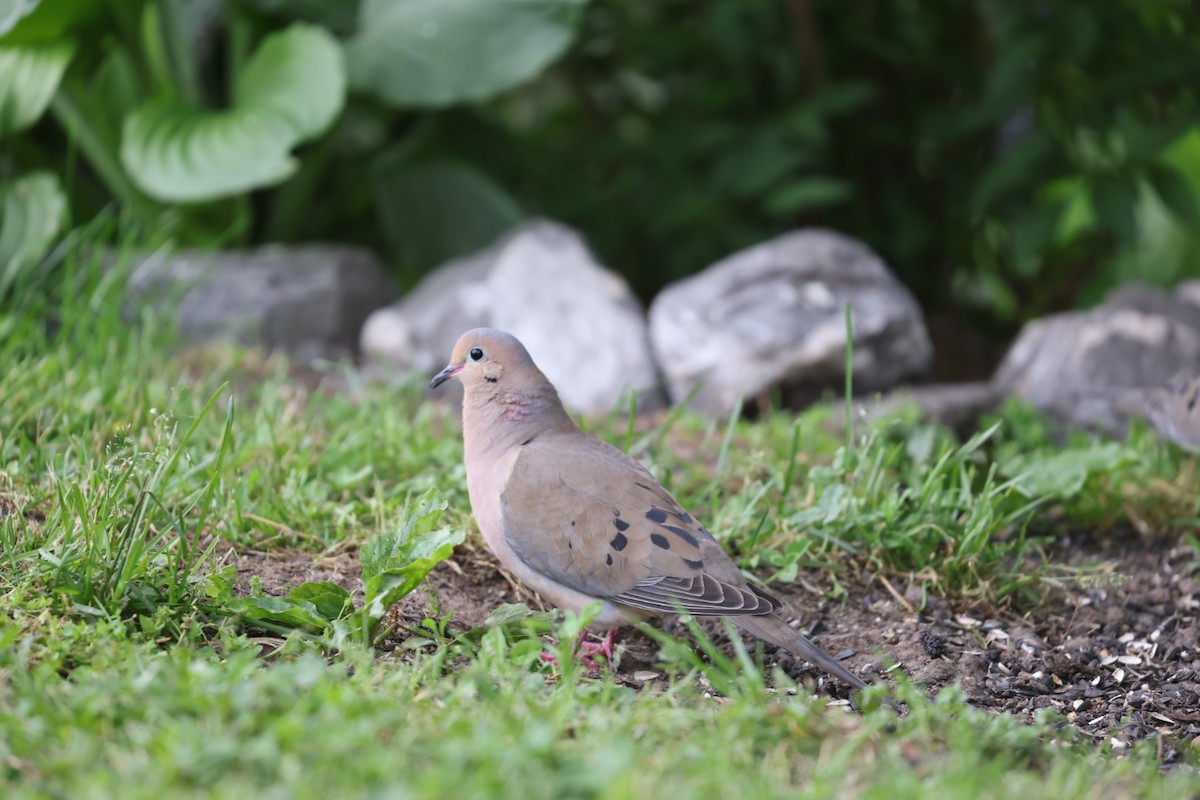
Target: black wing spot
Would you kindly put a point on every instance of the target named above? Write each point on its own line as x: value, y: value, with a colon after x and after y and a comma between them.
x: 1192, y: 399
x: 620, y: 524
x: 572, y: 523
x: 684, y: 517
x: 696, y: 564
x: 489, y: 379
x: 657, y: 516
x: 618, y: 542
x: 683, y: 534
x: 658, y: 540
x: 527, y: 441
x: 608, y: 559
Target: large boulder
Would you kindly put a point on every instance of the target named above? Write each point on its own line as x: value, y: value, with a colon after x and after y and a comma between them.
x: 309, y: 300
x: 773, y: 316
x: 580, y: 321
x: 1091, y: 368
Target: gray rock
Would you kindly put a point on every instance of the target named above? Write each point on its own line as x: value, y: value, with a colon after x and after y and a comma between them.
x: 581, y: 322
x: 1090, y: 368
x: 773, y: 316
x: 309, y: 300
x: 1189, y: 292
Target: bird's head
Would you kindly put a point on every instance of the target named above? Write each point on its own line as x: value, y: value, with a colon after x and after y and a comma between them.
x: 486, y: 356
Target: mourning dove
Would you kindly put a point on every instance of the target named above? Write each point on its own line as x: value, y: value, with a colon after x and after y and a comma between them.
x: 1175, y: 411
x: 579, y: 521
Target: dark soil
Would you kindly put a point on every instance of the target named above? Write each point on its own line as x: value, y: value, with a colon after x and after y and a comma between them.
x: 1120, y: 659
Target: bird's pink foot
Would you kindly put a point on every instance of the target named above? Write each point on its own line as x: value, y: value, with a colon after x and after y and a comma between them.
x: 588, y: 649
x: 602, y: 648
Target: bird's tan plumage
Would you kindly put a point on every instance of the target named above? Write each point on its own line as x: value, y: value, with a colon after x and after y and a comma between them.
x: 579, y: 521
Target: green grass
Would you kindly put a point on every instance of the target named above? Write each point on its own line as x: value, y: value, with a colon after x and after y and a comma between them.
x: 140, y: 720
x: 127, y: 668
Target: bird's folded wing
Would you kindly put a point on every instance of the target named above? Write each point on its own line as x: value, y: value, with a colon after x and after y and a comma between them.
x: 587, y: 516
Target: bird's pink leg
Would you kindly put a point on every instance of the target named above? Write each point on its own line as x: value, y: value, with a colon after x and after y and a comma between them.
x: 601, y: 648
x: 588, y: 649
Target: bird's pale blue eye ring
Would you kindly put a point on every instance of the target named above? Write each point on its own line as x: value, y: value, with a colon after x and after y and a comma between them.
x: 476, y: 354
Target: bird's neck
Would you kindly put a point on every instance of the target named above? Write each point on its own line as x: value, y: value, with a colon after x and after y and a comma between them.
x: 497, y: 419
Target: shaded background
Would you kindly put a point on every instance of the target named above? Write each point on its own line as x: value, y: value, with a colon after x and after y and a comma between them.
x: 1005, y: 158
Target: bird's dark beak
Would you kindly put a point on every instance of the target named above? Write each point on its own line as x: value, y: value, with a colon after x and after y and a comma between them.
x: 449, y: 372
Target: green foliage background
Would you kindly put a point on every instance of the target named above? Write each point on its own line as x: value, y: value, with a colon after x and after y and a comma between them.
x: 1012, y: 155
x: 1006, y: 158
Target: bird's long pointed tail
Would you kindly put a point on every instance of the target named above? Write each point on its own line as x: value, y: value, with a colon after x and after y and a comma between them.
x: 773, y: 629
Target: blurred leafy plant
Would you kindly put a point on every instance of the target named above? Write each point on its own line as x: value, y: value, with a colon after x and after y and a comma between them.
x: 1005, y: 158
x: 32, y: 204
x: 232, y: 121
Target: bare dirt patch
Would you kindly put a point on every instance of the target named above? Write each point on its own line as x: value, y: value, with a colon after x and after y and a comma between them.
x: 1120, y: 659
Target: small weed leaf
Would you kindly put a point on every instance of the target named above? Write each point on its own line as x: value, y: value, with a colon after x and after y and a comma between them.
x: 517, y: 615
x: 286, y: 611
x: 219, y: 584
x: 330, y: 600
x: 517, y: 621
x: 1063, y: 474
x: 395, y: 562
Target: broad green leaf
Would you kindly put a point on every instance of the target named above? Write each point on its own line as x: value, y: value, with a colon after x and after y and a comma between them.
x: 808, y: 193
x: 1184, y: 156
x: 116, y: 80
x: 280, y: 610
x: 291, y: 90
x: 1113, y: 197
x: 1031, y: 230
x: 438, y: 52
x: 27, y: 22
x: 1176, y: 194
x: 331, y: 601
x: 395, y: 562
x: 1077, y: 216
x: 298, y: 74
x: 766, y: 159
x: 32, y: 210
x: 11, y: 11
x: 29, y: 76
x: 432, y: 211
x: 1014, y: 169
x: 178, y: 154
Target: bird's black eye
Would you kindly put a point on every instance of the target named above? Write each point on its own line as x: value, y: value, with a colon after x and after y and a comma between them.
x: 476, y: 354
